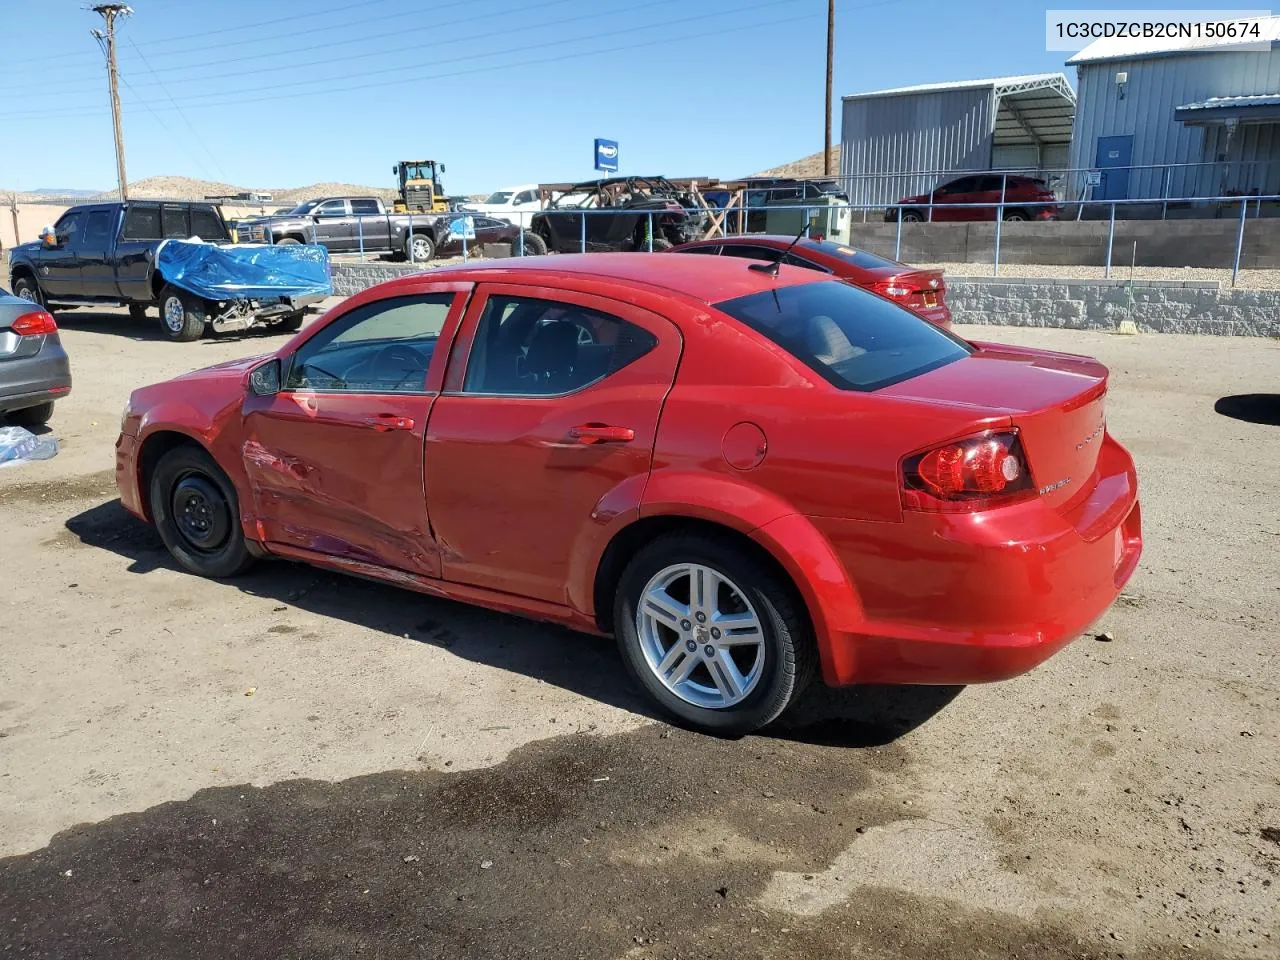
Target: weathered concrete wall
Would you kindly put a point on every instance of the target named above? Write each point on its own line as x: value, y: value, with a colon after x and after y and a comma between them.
x: 1181, y: 243
x: 350, y: 278
x: 1155, y: 306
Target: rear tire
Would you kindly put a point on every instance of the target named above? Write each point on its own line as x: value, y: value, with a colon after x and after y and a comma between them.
x: 771, y: 665
x: 420, y: 248
x: 36, y: 416
x: 26, y: 288
x: 182, y: 315
x: 196, y: 512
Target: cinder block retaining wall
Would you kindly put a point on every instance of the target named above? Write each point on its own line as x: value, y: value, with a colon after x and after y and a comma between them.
x: 1156, y: 306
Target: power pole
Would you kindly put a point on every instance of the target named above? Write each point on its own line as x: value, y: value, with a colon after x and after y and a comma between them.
x: 109, y: 12
x: 13, y: 209
x: 831, y: 49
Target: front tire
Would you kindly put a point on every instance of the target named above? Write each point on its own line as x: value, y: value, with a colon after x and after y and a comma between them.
x: 288, y: 241
x: 912, y: 216
x: 196, y: 512
x: 1016, y: 216
x: 26, y: 288
x: 534, y: 245
x: 182, y: 315
x: 715, y: 637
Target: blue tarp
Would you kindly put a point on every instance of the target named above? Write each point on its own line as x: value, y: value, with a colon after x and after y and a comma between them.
x: 245, y: 271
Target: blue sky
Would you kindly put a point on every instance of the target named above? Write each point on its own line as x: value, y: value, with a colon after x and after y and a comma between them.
x: 261, y: 94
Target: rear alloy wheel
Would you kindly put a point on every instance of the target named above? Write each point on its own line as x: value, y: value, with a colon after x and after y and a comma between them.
x: 182, y: 315
x: 715, y: 638
x: 421, y: 248
x: 196, y: 513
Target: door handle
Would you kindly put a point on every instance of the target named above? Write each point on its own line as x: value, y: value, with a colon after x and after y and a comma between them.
x: 601, y: 433
x: 388, y: 421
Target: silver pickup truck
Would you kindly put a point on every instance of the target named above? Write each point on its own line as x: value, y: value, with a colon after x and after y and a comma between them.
x: 350, y: 225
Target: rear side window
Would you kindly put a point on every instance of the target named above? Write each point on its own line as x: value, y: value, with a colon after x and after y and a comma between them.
x: 537, y: 348
x: 142, y: 223
x: 854, y: 339
x: 175, y: 222
x: 206, y: 225
x: 364, y: 208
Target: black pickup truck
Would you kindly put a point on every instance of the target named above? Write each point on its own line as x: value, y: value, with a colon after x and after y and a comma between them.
x: 106, y: 253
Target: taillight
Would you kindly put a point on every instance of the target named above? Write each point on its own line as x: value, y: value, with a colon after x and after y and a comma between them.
x: 892, y: 289
x: 972, y: 474
x: 34, y: 324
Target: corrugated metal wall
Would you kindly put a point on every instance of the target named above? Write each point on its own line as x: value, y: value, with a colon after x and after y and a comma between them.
x: 1155, y: 87
x: 941, y: 130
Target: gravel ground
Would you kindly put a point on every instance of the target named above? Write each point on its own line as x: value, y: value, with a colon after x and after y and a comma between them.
x: 1250, y: 279
x: 301, y: 764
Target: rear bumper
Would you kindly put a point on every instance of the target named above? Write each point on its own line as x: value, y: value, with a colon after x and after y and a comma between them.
x: 959, y: 599
x: 30, y: 381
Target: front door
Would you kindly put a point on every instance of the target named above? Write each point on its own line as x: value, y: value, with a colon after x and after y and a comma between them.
x: 1114, y: 154
x: 334, y: 225
x: 947, y: 196
x: 335, y: 458
x: 552, y: 402
x: 59, y: 266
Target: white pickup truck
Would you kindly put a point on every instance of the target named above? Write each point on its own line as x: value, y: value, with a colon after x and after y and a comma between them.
x: 514, y: 204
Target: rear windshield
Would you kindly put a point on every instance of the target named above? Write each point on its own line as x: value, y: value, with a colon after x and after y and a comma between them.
x: 859, y: 258
x: 854, y: 339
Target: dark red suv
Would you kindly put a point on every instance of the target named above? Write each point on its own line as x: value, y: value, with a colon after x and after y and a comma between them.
x: 1025, y: 198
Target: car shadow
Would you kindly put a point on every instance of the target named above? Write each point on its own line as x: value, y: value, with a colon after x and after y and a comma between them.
x: 580, y: 663
x: 1260, y: 408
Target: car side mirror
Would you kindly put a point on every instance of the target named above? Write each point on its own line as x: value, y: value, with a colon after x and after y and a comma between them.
x: 264, y: 381
x: 48, y: 237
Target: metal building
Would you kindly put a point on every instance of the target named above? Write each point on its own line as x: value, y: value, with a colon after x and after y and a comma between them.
x: 1210, y: 114
x: 903, y: 141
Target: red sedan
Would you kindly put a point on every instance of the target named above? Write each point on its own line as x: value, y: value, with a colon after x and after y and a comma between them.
x: 923, y: 291
x: 741, y: 472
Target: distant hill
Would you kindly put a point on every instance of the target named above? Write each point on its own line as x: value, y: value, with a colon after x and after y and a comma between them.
x: 805, y: 168
x: 188, y: 188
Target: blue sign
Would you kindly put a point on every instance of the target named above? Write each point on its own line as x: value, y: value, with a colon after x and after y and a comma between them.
x: 607, y: 155
x: 463, y: 228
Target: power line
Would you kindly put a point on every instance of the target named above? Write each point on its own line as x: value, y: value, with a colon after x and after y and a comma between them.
x: 508, y: 65
x: 213, y: 99
x: 244, y: 26
x: 347, y: 42
x: 182, y: 113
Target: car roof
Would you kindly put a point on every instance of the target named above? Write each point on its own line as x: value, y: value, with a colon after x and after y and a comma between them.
x: 708, y: 279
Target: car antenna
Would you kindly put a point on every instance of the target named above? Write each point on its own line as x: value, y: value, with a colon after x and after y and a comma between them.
x: 774, y: 266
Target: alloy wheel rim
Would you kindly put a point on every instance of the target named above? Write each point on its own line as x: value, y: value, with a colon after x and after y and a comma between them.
x: 700, y: 636
x: 420, y: 249
x: 200, y: 513
x: 174, y: 314
x: 26, y: 293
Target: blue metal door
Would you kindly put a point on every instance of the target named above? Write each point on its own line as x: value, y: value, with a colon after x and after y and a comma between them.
x: 1114, y: 152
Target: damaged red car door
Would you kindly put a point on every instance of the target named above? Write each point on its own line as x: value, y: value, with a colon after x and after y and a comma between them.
x: 335, y: 458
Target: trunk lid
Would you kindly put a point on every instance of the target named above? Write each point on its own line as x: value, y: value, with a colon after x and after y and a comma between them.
x: 1056, y: 400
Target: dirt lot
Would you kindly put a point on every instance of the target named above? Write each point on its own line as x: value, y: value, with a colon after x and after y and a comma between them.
x: 301, y: 765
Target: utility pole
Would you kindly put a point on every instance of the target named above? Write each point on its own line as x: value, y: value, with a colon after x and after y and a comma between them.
x: 109, y: 12
x: 831, y: 49
x: 13, y: 209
